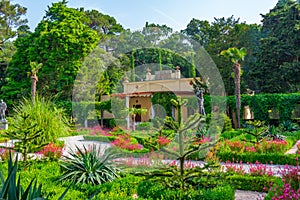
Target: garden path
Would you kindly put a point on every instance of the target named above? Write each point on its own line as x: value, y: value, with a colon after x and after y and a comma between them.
x: 294, y: 149
x: 73, y: 141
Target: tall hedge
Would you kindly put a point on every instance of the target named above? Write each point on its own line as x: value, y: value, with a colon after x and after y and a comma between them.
x: 262, y: 104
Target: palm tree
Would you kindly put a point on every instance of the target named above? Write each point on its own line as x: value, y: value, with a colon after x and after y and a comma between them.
x: 136, y: 111
x: 34, y: 78
x: 235, y: 55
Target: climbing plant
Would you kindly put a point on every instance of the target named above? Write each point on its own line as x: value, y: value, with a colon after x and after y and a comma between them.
x: 262, y: 104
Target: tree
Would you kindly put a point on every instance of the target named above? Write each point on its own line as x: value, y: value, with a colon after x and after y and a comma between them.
x: 25, y: 132
x: 221, y: 34
x: 105, y: 25
x: 279, y: 50
x: 236, y: 55
x: 11, y: 20
x: 35, y: 67
x: 12, y: 24
x: 60, y: 42
x: 154, y: 33
x: 136, y: 111
x: 183, y: 145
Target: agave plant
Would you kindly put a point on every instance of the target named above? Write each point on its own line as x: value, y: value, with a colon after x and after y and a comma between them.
x: 88, y: 166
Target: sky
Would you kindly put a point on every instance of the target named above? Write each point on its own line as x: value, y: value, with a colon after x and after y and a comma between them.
x: 134, y: 14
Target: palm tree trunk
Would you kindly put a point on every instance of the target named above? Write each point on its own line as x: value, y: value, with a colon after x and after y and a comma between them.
x: 133, y: 123
x: 101, y: 112
x: 237, y: 82
x: 33, y: 87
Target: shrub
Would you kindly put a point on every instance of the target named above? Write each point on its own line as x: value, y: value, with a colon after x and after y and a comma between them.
x: 235, y: 146
x: 274, y: 146
x: 144, y: 126
x: 11, y: 187
x: 157, y: 122
x: 50, y: 120
x: 227, y: 122
x: 230, y: 134
x: 52, y: 151
x: 99, y: 138
x: 281, y: 159
x: 120, y: 188
x: 280, y: 190
x: 47, y: 173
x: 88, y: 166
x: 153, y: 190
x: 126, y: 142
x: 247, y: 182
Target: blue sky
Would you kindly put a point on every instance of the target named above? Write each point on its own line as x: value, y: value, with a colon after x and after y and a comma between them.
x: 176, y: 14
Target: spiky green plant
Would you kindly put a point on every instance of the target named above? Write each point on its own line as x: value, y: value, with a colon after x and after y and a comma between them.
x: 51, y: 121
x: 88, y: 166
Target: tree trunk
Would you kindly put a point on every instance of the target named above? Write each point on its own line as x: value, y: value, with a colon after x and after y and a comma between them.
x: 33, y: 87
x: 101, y: 117
x: 237, y: 82
x: 101, y: 112
x: 133, y: 123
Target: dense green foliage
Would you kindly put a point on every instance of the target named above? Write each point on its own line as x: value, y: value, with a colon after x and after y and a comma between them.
x: 49, y: 120
x: 262, y: 104
x: 221, y: 34
x: 11, y: 187
x: 60, y: 42
x: 148, y: 189
x: 252, y: 183
x: 278, y: 54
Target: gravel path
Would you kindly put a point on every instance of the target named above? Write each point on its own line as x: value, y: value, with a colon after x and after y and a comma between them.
x: 248, y: 195
x: 73, y: 141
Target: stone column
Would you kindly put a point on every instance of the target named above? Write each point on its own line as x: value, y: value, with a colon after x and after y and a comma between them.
x: 148, y: 75
x: 177, y: 73
x: 127, y: 107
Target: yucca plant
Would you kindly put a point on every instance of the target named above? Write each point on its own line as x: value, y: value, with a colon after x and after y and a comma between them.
x: 88, y: 166
x: 11, y: 189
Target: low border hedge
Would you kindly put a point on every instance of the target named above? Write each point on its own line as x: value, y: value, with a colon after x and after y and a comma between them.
x: 99, y: 138
x: 280, y: 159
x: 153, y: 190
x: 252, y: 183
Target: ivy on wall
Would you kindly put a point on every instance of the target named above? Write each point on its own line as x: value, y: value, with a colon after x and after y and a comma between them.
x: 163, y: 99
x: 262, y: 104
